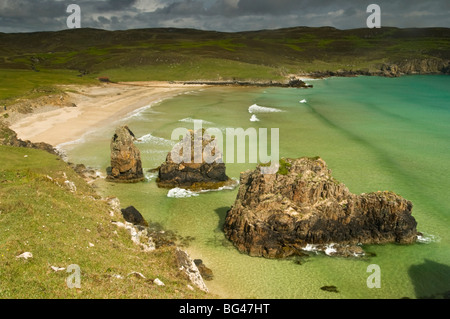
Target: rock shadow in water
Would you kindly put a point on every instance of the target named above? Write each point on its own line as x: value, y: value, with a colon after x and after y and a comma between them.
x: 431, y: 280
x: 219, y: 238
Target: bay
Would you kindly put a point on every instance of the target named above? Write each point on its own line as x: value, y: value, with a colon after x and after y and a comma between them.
x: 374, y: 133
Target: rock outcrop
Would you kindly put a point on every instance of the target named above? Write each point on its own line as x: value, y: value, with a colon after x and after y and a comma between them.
x: 89, y: 174
x: 126, y: 165
x: 189, y: 268
x: 9, y: 137
x: 188, y: 172
x: 132, y: 215
x: 394, y: 69
x: 302, y: 207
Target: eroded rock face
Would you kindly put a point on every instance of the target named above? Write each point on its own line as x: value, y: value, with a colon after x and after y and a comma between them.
x: 126, y: 165
x: 187, y: 265
x: 191, y: 172
x: 9, y: 137
x: 278, y: 215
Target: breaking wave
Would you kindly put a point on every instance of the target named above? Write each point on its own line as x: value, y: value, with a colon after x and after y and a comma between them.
x: 255, y: 108
x: 181, y: 193
x: 427, y: 239
x: 191, y: 120
x: 149, y: 138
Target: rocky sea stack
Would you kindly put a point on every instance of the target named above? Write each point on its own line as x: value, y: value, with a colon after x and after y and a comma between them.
x: 193, y: 171
x: 126, y: 165
x: 303, y: 206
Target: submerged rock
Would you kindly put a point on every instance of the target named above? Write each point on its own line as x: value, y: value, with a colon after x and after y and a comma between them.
x: 126, y: 165
x: 194, y: 171
x: 206, y: 273
x: 330, y: 289
x: 303, y: 206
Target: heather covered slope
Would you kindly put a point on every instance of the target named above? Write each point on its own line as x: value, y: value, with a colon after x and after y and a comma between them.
x: 187, y: 54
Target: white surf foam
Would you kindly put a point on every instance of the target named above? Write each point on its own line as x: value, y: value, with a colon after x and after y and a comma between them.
x: 181, y: 193
x: 230, y: 187
x: 427, y: 239
x: 310, y: 247
x: 138, y: 112
x: 149, y: 138
x: 191, y: 120
x: 150, y: 176
x: 255, y: 108
x: 254, y: 118
x: 330, y: 250
x: 184, y: 193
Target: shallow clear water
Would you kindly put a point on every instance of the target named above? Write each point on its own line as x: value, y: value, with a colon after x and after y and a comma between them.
x: 374, y: 133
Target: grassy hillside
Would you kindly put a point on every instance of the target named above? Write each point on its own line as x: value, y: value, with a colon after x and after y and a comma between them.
x: 27, y: 84
x: 61, y: 228
x: 30, y: 60
x: 283, y: 51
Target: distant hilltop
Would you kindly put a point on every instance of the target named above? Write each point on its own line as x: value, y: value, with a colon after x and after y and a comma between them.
x: 194, y: 55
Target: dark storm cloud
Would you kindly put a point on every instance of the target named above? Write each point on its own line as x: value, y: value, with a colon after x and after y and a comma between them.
x: 183, y: 8
x: 222, y: 15
x: 114, y: 5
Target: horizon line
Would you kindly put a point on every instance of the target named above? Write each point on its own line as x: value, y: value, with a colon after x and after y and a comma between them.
x: 216, y: 31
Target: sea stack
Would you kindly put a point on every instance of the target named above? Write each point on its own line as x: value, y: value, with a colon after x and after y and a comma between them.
x: 126, y: 165
x: 303, y: 206
x: 194, y: 171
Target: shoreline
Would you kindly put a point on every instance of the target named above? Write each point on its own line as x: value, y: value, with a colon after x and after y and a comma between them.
x: 96, y: 106
x: 103, y: 103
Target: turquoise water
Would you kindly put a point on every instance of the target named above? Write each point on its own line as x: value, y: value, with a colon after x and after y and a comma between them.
x: 374, y: 133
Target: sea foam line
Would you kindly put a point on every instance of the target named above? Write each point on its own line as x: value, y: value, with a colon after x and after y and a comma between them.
x: 178, y: 192
x: 255, y: 108
x: 149, y: 138
x: 191, y: 120
x: 181, y: 193
x: 427, y: 238
x: 138, y: 112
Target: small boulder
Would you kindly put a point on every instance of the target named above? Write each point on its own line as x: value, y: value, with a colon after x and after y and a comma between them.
x: 330, y: 289
x: 132, y: 215
x: 158, y: 282
x: 206, y: 273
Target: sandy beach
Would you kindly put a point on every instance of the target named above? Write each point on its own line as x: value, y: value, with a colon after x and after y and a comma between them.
x: 96, y: 106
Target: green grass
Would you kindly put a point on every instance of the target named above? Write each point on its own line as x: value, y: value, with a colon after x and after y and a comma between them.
x: 185, y: 54
x: 57, y: 227
x: 284, y: 167
x: 30, y: 84
x: 196, y: 69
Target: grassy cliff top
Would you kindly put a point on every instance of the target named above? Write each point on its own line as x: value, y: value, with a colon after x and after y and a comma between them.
x: 41, y: 215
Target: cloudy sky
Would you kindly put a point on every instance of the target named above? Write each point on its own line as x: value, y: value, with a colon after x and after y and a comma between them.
x: 220, y: 15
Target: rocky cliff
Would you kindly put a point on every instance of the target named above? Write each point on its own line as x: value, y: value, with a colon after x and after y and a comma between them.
x: 9, y: 137
x: 126, y: 165
x: 283, y: 214
x: 395, y: 69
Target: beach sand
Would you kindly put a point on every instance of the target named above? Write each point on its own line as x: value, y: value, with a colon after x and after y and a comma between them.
x: 96, y: 106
